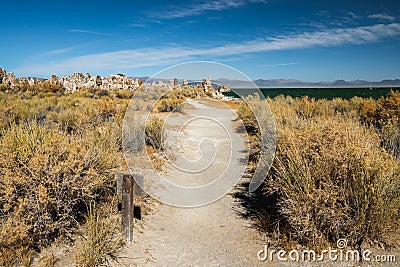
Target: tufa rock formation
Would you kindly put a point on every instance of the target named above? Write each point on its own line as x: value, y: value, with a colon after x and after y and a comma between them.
x: 75, y: 82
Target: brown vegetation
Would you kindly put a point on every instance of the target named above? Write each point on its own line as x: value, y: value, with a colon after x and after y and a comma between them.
x: 57, y: 155
x: 100, y: 241
x: 336, y: 172
x: 171, y: 100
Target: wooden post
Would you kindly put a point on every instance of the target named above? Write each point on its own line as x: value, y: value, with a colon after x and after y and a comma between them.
x: 125, y: 186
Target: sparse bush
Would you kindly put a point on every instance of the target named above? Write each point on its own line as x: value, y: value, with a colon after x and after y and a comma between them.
x: 136, y: 104
x: 69, y: 120
x: 57, y: 153
x: 380, y: 111
x: 390, y: 134
x: 103, y: 93
x: 333, y: 180
x: 306, y: 108
x: 47, y: 177
x: 171, y: 100
x: 384, y: 114
x: 15, y: 243
x: 45, y: 87
x: 101, y: 240
x: 123, y: 93
x: 331, y: 177
x: 134, y: 134
x: 5, y: 87
x: 169, y: 104
x: 247, y: 116
x: 192, y: 92
x: 154, y: 132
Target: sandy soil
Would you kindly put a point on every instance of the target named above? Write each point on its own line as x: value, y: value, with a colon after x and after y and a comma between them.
x: 217, y: 234
x: 212, y: 235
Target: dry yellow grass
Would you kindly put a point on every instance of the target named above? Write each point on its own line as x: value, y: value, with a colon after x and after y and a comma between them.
x: 101, y: 240
x: 56, y: 155
x: 336, y: 173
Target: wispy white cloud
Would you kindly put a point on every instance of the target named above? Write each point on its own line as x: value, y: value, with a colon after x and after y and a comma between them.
x: 128, y: 59
x: 56, y: 53
x: 138, y: 25
x: 89, y: 32
x: 198, y: 8
x: 280, y: 64
x: 63, y: 50
x: 353, y: 15
x: 382, y: 16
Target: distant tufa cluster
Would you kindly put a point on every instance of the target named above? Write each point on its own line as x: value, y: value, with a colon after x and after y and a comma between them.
x: 208, y: 88
x: 75, y: 81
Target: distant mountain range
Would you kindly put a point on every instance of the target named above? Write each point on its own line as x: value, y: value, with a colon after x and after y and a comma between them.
x: 284, y: 83
x: 288, y: 83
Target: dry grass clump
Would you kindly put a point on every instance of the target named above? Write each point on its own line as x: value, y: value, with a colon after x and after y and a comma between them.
x: 334, y: 176
x: 101, y: 240
x: 171, y: 100
x: 380, y: 111
x: 123, y: 93
x: 306, y: 108
x: 56, y: 155
x: 333, y: 180
x: 247, y: 115
x: 45, y: 87
x: 154, y: 132
x: 192, y: 92
x: 133, y: 134
x: 17, y: 110
x: 47, y: 177
x: 390, y: 134
x: 15, y: 248
x: 169, y: 104
x: 384, y: 114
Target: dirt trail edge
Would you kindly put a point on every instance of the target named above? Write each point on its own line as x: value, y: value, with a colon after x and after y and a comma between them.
x: 211, y: 235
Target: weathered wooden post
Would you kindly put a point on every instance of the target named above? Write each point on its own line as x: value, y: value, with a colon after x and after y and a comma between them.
x: 127, y: 188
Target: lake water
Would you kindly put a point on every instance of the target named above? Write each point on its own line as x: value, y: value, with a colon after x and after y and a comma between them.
x: 319, y: 93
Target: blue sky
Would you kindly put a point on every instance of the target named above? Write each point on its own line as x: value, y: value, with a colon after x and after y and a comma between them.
x: 306, y: 40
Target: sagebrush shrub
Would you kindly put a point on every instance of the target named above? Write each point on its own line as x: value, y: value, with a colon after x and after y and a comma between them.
x: 333, y: 180
x: 47, y: 177
x: 57, y: 153
x: 154, y: 132
x: 334, y: 175
x: 101, y: 240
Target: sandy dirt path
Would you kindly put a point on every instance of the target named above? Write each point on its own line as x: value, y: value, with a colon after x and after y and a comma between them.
x: 217, y: 234
x: 212, y: 235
